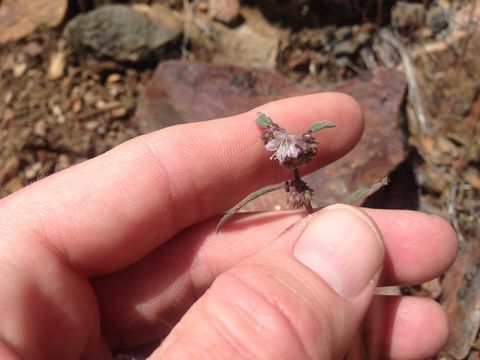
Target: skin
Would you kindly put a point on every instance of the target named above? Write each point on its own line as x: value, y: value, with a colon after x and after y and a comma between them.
x: 115, y: 252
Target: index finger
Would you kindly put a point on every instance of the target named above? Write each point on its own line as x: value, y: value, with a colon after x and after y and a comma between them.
x: 107, y: 213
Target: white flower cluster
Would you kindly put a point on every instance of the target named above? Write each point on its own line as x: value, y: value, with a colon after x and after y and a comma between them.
x: 285, y: 146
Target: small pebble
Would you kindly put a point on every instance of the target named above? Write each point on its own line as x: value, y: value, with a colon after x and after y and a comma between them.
x: 32, y: 170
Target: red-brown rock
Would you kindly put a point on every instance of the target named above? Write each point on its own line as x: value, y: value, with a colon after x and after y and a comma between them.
x: 381, y: 148
x: 462, y: 300
x: 184, y: 92
x: 181, y: 92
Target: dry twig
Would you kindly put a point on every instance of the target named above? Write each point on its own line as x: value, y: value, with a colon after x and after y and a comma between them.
x: 452, y: 212
x: 413, y: 90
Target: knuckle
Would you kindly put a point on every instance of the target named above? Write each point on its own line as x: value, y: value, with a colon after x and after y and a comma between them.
x: 258, y: 314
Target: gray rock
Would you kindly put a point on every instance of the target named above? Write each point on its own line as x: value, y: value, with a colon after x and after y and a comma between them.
x: 437, y: 19
x: 119, y: 33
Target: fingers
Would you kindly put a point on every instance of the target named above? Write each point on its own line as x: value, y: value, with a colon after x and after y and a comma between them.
x: 419, y: 247
x: 47, y: 311
x: 303, y: 296
x: 108, y: 212
x: 401, y: 327
x: 158, y: 290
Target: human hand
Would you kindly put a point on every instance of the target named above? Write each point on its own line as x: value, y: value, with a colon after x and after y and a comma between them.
x: 114, y: 252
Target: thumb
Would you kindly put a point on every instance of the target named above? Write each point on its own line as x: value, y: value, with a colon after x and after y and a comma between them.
x: 303, y: 296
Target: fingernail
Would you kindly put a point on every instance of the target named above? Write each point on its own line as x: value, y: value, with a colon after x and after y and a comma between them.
x: 342, y: 246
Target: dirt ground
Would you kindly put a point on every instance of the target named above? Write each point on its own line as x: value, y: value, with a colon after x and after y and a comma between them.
x: 59, y: 107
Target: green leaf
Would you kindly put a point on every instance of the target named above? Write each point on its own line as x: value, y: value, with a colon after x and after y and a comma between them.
x: 357, y: 195
x: 250, y: 197
x: 321, y: 125
x: 366, y: 191
x: 263, y: 120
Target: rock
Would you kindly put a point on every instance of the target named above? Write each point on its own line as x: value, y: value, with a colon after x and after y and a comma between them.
x: 181, y: 92
x: 346, y: 47
x: 19, y: 69
x: 91, y: 125
x: 33, y: 49
x: 381, y: 98
x: 343, y: 33
x: 63, y: 162
x: 121, y: 34
x: 362, y: 38
x: 8, y: 169
x: 57, y: 65
x: 185, y: 92
x: 8, y: 115
x: 254, y: 43
x: 437, y: 19
x: 118, y: 112
x: 19, y: 18
x: 461, y: 301
x: 40, y: 128
x: 13, y: 185
x: 161, y: 15
x: 245, y: 46
x: 225, y: 11
x: 408, y: 17
x: 33, y: 170
x: 113, y: 78
x: 8, y: 98
x: 8, y: 63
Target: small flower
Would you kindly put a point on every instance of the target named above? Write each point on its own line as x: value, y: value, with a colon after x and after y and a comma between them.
x: 290, y: 150
x: 285, y: 146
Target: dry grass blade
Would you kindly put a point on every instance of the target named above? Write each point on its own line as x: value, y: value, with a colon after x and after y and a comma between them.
x: 366, y: 191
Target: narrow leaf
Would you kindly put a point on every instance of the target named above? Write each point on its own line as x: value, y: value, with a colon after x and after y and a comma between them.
x: 366, y: 191
x: 357, y: 195
x: 263, y: 120
x: 322, y: 125
x: 250, y: 197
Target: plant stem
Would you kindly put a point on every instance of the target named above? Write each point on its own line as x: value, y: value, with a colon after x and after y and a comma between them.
x: 296, y: 174
x: 298, y: 180
x: 309, y: 207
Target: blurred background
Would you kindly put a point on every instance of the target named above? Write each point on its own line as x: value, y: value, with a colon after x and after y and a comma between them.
x: 78, y: 77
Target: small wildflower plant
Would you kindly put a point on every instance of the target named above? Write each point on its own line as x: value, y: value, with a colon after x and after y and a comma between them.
x: 293, y: 151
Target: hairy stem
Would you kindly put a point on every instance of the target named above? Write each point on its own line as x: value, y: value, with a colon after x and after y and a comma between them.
x: 298, y: 180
